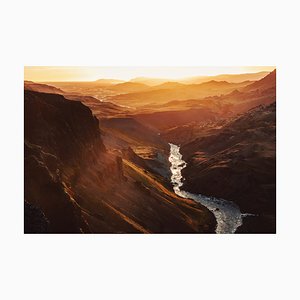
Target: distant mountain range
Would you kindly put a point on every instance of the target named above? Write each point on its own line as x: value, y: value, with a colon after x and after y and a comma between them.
x: 201, y: 79
x: 166, y: 92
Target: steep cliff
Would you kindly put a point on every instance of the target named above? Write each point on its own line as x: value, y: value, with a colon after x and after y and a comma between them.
x: 80, y: 186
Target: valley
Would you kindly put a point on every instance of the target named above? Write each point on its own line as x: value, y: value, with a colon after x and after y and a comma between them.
x: 97, y: 155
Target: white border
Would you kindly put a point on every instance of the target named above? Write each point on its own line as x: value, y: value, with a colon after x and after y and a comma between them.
x: 149, y: 33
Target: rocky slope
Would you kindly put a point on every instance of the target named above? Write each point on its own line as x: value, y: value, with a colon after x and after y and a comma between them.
x: 237, y: 162
x: 78, y: 185
x: 123, y: 186
x: 43, y: 88
x: 101, y: 109
x: 34, y: 219
x: 266, y: 83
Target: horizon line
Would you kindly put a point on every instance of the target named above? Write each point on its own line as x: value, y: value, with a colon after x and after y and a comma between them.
x: 148, y: 77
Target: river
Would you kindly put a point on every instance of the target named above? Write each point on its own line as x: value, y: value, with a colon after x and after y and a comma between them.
x: 227, y: 213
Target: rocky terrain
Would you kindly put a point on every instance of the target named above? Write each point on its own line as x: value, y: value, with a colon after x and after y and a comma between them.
x: 233, y: 155
x: 238, y: 163
x: 79, y: 185
x: 96, y: 153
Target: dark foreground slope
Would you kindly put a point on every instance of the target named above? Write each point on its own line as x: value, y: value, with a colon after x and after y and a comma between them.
x: 74, y: 184
x: 238, y: 163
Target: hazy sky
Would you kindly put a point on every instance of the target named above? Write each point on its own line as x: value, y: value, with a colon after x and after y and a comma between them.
x: 127, y: 73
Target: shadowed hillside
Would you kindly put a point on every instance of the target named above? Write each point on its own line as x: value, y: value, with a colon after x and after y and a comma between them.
x: 97, y: 153
x: 237, y: 163
x: 79, y: 186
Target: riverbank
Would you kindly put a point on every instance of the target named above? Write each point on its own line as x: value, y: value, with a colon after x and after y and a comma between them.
x: 227, y: 213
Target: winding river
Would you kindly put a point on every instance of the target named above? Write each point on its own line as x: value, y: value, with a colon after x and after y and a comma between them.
x: 227, y: 213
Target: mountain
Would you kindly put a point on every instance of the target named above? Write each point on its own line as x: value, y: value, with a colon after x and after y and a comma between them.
x: 182, y: 120
x: 43, y: 88
x: 129, y: 87
x: 60, y: 138
x: 161, y: 96
x: 75, y: 184
x: 138, y: 142
x: 235, y: 78
x: 93, y: 165
x: 99, y: 108
x: 168, y: 85
x: 268, y: 82
x: 237, y: 162
x: 227, y: 77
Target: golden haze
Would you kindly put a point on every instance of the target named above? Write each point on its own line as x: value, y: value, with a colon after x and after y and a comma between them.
x: 77, y: 73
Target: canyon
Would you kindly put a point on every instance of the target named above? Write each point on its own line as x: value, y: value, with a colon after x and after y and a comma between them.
x: 97, y: 154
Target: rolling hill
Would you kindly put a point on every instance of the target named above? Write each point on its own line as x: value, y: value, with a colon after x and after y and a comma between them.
x: 161, y: 96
